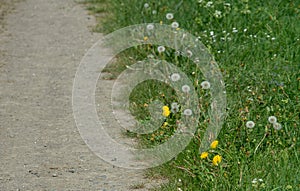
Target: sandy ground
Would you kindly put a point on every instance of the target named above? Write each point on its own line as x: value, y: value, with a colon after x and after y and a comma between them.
x: 40, y: 146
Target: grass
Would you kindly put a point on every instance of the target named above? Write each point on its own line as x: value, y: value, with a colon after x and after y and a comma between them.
x: 257, y: 47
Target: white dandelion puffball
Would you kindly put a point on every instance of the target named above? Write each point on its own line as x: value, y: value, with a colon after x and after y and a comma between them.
x: 175, y: 25
x: 250, y: 124
x: 205, y: 85
x: 277, y: 126
x: 187, y: 112
x: 169, y: 16
x: 150, y: 27
x: 146, y: 5
x: 175, y: 77
x: 189, y: 53
x: 174, y: 107
x: 161, y: 49
x: 185, y: 88
x: 272, y: 119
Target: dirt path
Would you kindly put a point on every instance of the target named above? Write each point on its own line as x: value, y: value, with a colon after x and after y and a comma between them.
x: 40, y: 147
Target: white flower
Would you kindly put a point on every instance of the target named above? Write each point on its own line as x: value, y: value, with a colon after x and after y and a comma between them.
x: 161, y: 49
x: 277, y: 126
x: 175, y: 77
x: 154, y: 12
x: 175, y: 25
x: 250, y: 124
x: 205, y: 85
x: 146, y: 5
x: 272, y: 119
x: 185, y: 88
x: 254, y: 181
x: 218, y: 14
x: 211, y: 33
x: 245, y: 30
x: 169, y: 16
x: 150, y: 26
x: 187, y: 112
x: 209, y: 4
x: 179, y: 189
x: 273, y: 38
x: 234, y: 30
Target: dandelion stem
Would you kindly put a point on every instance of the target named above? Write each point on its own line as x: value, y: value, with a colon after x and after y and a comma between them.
x: 182, y: 168
x: 265, y: 135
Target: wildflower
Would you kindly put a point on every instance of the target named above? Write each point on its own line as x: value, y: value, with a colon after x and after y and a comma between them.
x: 214, y: 144
x: 273, y: 38
x: 254, y: 181
x: 218, y: 14
x: 250, y: 124
x: 169, y: 16
x: 161, y: 49
x: 185, y: 88
x: 277, y: 126
x: 187, y: 112
x: 204, y: 155
x: 209, y: 4
x: 166, y: 111
x: 205, y: 85
x: 272, y: 119
x: 160, y: 22
x: 175, y: 77
x: 165, y: 124
x: 146, y: 5
x: 150, y: 27
x: 234, y: 30
x: 145, y: 38
x: 154, y: 12
x: 216, y: 160
x: 175, y: 25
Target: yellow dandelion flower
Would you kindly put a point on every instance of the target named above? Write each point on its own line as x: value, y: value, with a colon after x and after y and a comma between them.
x: 145, y: 38
x: 204, y: 155
x: 216, y: 160
x: 165, y: 124
x: 160, y: 22
x: 214, y: 144
x: 166, y: 111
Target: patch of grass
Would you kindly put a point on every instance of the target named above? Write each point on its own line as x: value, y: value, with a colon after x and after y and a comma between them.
x: 257, y: 47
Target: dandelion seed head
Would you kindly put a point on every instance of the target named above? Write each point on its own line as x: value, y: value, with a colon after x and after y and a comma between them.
x: 205, y: 85
x: 272, y: 119
x: 250, y: 124
x: 277, y: 126
x: 175, y: 25
x: 188, y: 112
x: 189, y: 53
x: 161, y: 49
x: 185, y: 88
x: 150, y: 26
x: 175, y: 77
x: 154, y: 12
x: 169, y: 16
x: 146, y: 5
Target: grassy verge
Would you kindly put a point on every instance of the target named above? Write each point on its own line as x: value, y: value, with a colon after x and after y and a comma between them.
x: 257, y: 47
